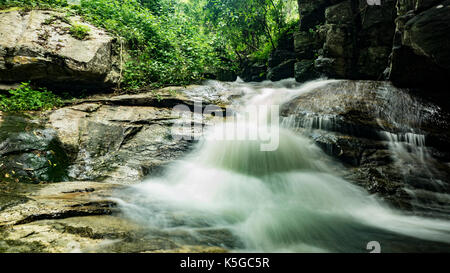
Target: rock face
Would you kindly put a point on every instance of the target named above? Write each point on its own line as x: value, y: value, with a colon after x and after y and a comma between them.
x: 421, y: 57
x: 392, y: 143
x: 348, y: 39
x: 405, y: 41
x: 125, y: 138
x: 304, y: 71
x: 282, y: 60
x: 37, y: 45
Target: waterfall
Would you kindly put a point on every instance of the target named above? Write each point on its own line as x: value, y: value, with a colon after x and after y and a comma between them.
x: 229, y: 193
x: 410, y: 153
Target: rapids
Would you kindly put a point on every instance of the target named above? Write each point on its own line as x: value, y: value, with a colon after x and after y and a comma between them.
x: 230, y: 193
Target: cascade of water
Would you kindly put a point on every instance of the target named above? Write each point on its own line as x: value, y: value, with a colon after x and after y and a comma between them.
x: 409, y: 151
x: 399, y: 117
x: 228, y: 192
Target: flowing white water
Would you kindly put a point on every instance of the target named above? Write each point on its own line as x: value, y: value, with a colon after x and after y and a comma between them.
x: 287, y: 200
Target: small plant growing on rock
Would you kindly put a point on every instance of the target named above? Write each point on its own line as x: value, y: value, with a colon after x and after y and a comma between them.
x: 49, y: 20
x: 78, y: 31
x: 25, y: 98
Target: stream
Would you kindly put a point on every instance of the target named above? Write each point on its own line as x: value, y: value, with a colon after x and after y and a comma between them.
x: 230, y: 192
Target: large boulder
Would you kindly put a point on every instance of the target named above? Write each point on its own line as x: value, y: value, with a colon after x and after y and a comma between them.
x: 312, y: 12
x: 340, y: 47
x: 405, y: 6
x: 307, y: 43
x: 394, y: 144
x: 120, y: 139
x: 38, y: 45
x: 341, y: 13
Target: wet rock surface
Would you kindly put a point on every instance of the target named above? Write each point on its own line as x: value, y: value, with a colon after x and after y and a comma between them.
x: 29, y: 152
x: 81, y: 217
x: 391, y: 143
x: 384, y: 136
x: 125, y: 138
x: 113, y: 139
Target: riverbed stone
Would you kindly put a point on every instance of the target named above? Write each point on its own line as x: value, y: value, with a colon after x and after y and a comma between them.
x: 75, y: 217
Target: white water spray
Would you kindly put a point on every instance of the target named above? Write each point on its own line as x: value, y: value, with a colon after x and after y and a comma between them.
x: 232, y: 194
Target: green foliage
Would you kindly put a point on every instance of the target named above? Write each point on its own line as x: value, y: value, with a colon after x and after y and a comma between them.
x: 166, y: 40
x: 26, y: 98
x: 177, y: 42
x: 33, y: 3
x: 79, y: 31
x: 251, y: 26
x: 263, y: 53
x: 166, y: 43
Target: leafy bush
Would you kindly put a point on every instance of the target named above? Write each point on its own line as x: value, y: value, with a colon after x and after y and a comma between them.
x: 26, y: 98
x: 167, y: 44
x: 79, y: 31
x: 263, y: 53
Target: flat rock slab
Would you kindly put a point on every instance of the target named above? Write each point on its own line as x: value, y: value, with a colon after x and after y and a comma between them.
x: 79, y: 217
x: 59, y: 201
